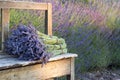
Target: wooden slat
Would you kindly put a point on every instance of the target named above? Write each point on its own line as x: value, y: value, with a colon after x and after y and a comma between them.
x: 7, y: 61
x: 71, y: 76
x: 63, y: 56
x: 2, y: 56
x: 48, y: 20
x: 36, y: 72
x: 5, y: 25
x: 23, y: 5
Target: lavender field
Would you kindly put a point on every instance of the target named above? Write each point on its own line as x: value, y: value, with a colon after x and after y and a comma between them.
x: 91, y: 29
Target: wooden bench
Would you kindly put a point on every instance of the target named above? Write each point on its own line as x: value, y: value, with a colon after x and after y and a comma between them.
x: 14, y: 69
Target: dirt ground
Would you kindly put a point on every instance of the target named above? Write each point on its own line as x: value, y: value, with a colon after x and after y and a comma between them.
x: 100, y: 75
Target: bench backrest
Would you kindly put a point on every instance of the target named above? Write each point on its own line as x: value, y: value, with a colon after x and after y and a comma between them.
x: 5, y: 6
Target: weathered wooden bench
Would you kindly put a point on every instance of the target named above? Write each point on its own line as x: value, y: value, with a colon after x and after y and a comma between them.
x: 14, y: 69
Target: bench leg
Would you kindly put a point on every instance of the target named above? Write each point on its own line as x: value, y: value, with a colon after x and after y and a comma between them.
x: 72, y: 72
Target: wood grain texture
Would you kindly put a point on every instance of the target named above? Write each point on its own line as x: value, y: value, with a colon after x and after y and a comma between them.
x: 7, y: 62
x: 48, y: 20
x: 5, y: 24
x: 36, y: 72
x: 71, y: 76
x: 23, y: 5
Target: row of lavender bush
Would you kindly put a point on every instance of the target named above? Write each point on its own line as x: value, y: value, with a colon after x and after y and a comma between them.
x: 91, y: 29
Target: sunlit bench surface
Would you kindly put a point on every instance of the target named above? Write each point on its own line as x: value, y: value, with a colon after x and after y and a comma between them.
x: 13, y: 69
